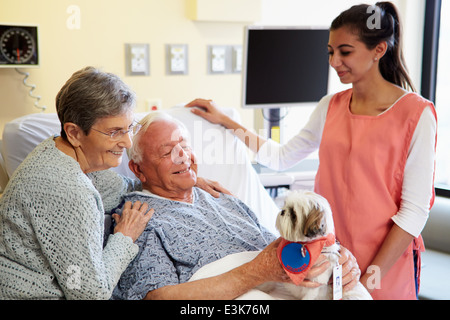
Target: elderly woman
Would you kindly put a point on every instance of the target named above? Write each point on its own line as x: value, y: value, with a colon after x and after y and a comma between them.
x: 52, y: 215
x: 52, y: 211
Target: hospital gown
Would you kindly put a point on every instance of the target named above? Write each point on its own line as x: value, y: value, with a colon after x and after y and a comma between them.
x: 182, y: 237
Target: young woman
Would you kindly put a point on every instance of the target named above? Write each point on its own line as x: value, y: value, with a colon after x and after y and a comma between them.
x: 376, y: 146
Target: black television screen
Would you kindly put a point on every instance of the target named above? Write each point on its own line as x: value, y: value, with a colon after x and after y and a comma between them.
x: 284, y: 66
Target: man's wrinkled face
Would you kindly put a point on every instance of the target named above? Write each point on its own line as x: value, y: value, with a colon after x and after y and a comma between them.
x: 168, y: 162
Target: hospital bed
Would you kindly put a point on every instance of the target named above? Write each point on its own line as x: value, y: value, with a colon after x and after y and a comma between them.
x: 221, y: 157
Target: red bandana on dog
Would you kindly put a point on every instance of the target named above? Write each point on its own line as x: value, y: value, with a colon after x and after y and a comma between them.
x: 298, y: 257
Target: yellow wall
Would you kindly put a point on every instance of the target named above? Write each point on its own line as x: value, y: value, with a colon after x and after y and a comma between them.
x: 106, y: 25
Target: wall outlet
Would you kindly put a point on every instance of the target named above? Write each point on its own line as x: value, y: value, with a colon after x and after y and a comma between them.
x: 236, y: 59
x: 218, y: 59
x: 177, y: 58
x: 137, y: 58
x: 224, y: 59
x: 153, y: 104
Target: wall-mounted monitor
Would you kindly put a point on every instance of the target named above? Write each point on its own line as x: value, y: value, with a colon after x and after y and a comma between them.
x: 284, y: 66
x: 19, y: 46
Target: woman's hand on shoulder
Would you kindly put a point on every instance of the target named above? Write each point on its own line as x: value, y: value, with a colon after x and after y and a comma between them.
x: 212, y: 187
x: 133, y: 220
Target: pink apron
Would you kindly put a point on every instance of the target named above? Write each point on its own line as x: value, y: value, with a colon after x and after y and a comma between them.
x: 362, y: 162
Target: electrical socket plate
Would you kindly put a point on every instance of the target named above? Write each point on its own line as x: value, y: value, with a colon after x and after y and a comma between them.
x: 137, y: 59
x: 217, y: 59
x: 236, y: 59
x: 224, y: 59
x: 177, y: 58
x: 153, y: 104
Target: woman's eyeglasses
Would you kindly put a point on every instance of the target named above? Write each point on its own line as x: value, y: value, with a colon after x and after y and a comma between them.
x: 117, y: 135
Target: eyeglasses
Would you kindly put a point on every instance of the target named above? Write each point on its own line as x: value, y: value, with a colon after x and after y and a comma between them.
x: 117, y: 135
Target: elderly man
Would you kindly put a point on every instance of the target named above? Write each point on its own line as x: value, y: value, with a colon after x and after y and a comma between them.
x: 190, y: 228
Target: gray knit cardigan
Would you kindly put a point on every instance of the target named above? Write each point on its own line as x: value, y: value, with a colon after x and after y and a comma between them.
x: 51, y: 230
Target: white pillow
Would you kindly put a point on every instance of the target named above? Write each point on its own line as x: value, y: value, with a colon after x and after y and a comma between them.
x: 223, y: 157
x: 23, y: 134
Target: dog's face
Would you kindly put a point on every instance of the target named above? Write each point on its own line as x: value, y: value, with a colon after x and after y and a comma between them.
x: 304, y: 217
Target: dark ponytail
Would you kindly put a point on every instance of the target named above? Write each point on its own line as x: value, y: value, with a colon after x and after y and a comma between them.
x: 360, y: 21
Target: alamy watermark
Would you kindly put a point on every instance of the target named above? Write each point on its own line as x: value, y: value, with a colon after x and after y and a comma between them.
x: 374, y: 21
x: 74, y: 277
x: 219, y: 146
x: 374, y: 280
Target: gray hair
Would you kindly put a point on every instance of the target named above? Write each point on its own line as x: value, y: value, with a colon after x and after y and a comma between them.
x: 135, y: 153
x: 91, y: 94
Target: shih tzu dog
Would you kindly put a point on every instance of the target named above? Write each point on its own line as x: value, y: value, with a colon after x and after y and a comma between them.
x: 306, y: 225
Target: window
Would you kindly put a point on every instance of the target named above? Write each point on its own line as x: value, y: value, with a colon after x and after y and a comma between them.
x: 442, y: 101
x: 436, y: 84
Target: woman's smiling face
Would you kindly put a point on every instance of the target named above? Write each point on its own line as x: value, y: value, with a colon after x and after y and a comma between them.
x: 350, y: 57
x: 100, y: 151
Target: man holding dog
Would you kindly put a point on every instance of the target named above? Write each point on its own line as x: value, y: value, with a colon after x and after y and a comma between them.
x: 191, y: 229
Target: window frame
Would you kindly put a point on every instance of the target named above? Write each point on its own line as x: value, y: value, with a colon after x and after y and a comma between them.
x: 431, y: 49
x: 430, y: 61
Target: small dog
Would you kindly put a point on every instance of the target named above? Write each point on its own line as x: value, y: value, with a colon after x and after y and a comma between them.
x: 307, y: 217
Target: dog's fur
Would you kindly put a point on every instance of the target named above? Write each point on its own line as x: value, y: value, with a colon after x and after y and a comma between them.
x: 307, y: 216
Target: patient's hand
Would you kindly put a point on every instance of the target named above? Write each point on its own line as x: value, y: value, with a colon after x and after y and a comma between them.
x: 212, y: 187
x: 267, y: 265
